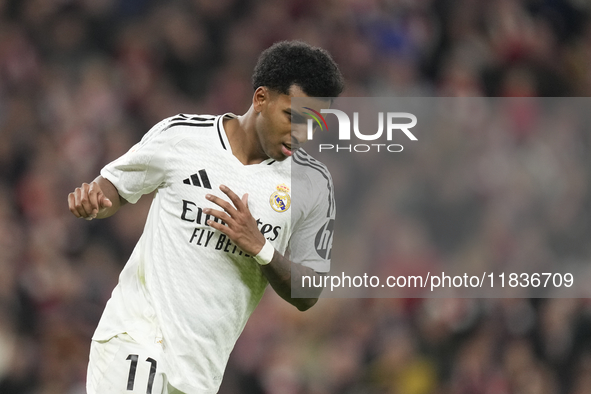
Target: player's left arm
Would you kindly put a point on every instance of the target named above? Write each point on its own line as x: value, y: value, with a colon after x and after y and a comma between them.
x: 282, y: 274
x: 241, y: 227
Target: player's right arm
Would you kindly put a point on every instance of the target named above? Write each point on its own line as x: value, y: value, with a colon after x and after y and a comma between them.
x: 98, y: 199
x: 139, y: 171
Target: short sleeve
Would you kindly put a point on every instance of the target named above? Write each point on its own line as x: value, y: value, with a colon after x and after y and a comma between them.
x: 142, y: 169
x: 311, y: 240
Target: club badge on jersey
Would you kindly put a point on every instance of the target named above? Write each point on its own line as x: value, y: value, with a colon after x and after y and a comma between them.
x: 280, y: 200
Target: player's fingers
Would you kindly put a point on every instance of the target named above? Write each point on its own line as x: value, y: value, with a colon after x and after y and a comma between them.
x: 72, y: 204
x: 103, y: 201
x: 78, y: 193
x: 225, y: 205
x: 233, y: 197
x: 84, y: 199
x: 223, y: 216
x: 220, y: 227
x: 245, y: 201
x: 93, y: 198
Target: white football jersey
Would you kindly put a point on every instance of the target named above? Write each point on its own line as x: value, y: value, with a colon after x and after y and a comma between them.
x: 185, y: 283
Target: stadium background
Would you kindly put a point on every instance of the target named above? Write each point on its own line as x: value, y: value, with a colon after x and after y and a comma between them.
x: 81, y: 81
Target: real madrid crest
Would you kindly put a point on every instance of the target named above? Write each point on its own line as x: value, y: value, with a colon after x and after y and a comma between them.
x: 280, y: 200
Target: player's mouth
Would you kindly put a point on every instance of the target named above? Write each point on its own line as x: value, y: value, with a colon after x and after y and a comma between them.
x: 286, y: 149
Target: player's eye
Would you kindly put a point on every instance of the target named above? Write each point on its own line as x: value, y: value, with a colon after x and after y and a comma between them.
x: 297, y: 118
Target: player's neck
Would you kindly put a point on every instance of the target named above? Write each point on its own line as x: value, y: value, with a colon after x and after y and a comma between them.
x: 243, y: 139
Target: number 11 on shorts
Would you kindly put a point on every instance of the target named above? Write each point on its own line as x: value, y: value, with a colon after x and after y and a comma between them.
x: 133, y: 368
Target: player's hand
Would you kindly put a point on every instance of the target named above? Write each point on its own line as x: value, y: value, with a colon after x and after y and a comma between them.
x: 87, y: 201
x: 241, y: 227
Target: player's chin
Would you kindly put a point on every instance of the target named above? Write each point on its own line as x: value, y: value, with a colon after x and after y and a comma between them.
x: 286, y: 150
x: 277, y: 155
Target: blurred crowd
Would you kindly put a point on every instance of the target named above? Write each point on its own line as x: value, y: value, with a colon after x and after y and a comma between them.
x: 83, y: 80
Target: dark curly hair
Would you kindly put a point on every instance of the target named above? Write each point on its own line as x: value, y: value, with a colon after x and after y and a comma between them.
x: 294, y: 62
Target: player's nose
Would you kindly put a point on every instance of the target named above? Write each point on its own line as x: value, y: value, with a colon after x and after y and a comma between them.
x: 299, y: 135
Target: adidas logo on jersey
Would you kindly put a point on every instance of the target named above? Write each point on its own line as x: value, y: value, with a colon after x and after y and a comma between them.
x: 200, y: 180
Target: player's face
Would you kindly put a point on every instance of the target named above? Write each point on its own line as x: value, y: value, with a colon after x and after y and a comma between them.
x: 282, y: 129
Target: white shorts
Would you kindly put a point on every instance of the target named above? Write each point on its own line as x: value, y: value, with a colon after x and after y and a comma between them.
x: 123, y: 366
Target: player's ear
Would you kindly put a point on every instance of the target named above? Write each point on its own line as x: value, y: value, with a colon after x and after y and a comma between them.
x: 260, y: 98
